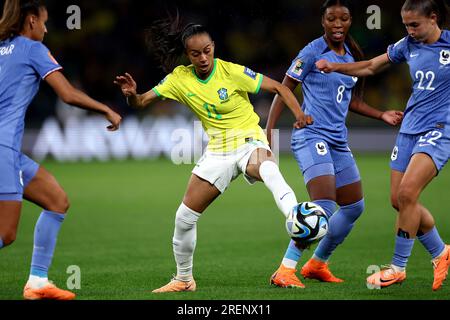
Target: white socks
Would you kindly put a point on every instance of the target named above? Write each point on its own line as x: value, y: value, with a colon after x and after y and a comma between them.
x: 282, y: 192
x: 37, y: 282
x: 184, y: 240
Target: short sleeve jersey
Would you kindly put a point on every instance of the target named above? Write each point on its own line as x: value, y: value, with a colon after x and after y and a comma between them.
x: 220, y: 102
x: 23, y: 63
x: 326, y: 97
x: 428, y: 107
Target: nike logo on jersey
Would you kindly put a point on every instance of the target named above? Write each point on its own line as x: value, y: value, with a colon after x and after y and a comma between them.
x: 413, y: 55
x: 190, y: 94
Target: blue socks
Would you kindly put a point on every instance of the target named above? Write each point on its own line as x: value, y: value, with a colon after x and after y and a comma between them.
x: 340, y: 225
x: 1, y: 243
x: 432, y: 241
x: 45, y: 235
x: 403, y: 248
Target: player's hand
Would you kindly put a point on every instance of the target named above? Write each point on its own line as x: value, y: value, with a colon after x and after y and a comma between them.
x: 392, y: 117
x: 115, y: 120
x: 126, y: 84
x: 303, y: 121
x: 325, y: 66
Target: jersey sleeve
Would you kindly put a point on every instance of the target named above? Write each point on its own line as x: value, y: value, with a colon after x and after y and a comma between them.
x: 303, y: 64
x: 246, y: 79
x: 166, y: 88
x: 397, y: 52
x: 42, y: 60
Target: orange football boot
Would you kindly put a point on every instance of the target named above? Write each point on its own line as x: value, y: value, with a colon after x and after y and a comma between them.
x: 286, y: 278
x: 315, y: 269
x: 441, y: 266
x: 386, y: 277
x: 47, y: 292
x: 176, y: 285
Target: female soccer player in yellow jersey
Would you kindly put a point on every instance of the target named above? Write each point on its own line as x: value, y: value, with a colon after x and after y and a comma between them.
x: 217, y: 92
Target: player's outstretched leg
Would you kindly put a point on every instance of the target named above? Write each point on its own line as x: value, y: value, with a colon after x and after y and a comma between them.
x: 45, y: 191
x: 283, y: 194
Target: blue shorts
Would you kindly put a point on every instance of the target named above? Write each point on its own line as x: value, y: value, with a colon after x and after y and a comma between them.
x: 433, y: 143
x: 316, y: 157
x: 16, y: 172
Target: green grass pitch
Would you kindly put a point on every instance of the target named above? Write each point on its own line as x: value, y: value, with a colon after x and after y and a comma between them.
x: 120, y: 226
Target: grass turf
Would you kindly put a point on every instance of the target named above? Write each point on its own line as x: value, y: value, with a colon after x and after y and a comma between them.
x: 120, y: 226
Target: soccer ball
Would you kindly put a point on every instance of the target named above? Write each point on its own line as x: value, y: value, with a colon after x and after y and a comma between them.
x: 307, y: 223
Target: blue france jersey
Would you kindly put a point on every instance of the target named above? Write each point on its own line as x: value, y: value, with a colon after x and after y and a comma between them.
x: 429, y: 65
x: 326, y: 97
x: 23, y: 63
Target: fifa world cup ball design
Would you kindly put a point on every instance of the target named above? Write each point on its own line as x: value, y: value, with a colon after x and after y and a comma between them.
x: 307, y: 223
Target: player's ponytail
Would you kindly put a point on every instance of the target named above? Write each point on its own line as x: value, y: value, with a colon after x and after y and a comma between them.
x: 427, y: 8
x: 166, y: 40
x: 354, y: 47
x: 14, y: 14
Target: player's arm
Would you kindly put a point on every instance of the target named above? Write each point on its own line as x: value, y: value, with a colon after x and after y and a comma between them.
x: 391, y: 117
x: 277, y: 107
x: 358, y: 69
x: 75, y: 97
x: 128, y: 87
x: 287, y: 97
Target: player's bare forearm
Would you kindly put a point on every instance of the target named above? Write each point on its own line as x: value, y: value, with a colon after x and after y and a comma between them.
x: 358, y: 106
x: 278, y: 104
x: 391, y: 117
x: 357, y: 69
x: 73, y: 96
x: 141, y: 101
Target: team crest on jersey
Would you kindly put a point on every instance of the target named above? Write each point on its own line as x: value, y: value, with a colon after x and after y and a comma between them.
x: 297, y: 67
x: 223, y: 94
x: 250, y: 73
x: 444, y: 57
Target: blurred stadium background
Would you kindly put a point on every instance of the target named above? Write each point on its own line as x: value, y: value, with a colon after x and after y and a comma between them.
x: 263, y: 35
x: 121, y: 220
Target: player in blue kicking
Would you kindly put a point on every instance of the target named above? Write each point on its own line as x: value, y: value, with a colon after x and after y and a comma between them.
x: 423, y: 144
x: 24, y: 61
x: 321, y: 149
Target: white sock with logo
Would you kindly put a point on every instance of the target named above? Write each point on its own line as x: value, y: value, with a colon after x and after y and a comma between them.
x: 283, y: 194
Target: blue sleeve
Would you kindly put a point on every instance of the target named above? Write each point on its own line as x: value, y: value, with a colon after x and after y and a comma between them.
x: 303, y: 64
x: 42, y: 60
x: 397, y: 52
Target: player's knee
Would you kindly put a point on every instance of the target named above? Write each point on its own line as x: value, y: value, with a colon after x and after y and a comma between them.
x: 406, y: 195
x: 394, y: 202
x: 60, y: 203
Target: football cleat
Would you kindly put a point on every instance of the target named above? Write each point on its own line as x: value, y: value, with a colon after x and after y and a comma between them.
x: 47, y: 292
x: 441, y: 266
x: 386, y: 277
x: 176, y: 285
x: 286, y: 278
x: 315, y: 269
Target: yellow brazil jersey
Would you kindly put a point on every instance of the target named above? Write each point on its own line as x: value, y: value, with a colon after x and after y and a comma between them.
x: 220, y: 102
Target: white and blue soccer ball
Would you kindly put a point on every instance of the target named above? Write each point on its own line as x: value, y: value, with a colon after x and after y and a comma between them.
x: 307, y: 223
